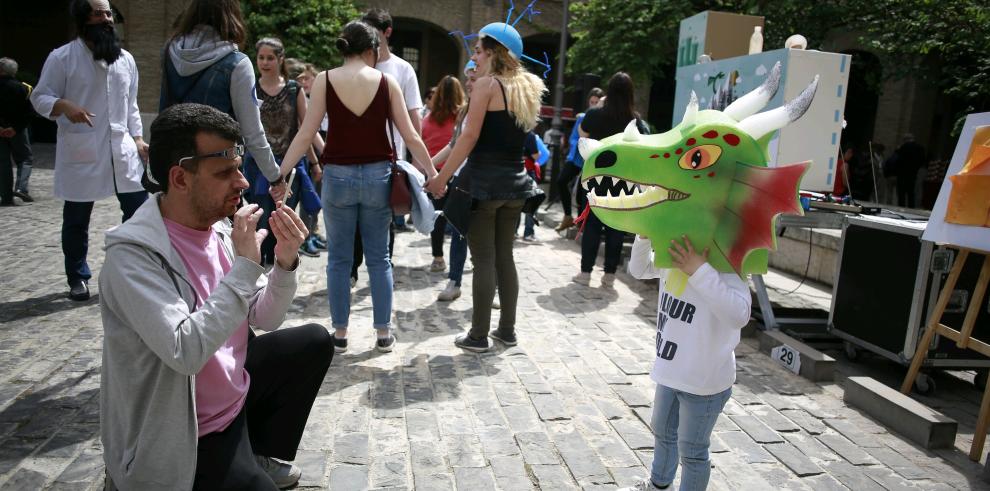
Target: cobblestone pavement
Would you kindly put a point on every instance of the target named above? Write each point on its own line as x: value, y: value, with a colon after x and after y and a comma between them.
x: 568, y: 408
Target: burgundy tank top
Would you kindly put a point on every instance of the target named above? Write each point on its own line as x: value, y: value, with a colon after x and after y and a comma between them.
x: 353, y: 139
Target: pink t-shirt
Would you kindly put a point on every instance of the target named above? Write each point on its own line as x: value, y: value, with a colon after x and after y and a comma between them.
x: 222, y: 384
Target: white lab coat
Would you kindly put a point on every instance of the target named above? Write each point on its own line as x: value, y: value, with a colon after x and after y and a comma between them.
x: 92, y: 163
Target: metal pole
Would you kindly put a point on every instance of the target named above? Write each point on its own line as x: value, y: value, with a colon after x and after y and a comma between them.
x: 554, y: 138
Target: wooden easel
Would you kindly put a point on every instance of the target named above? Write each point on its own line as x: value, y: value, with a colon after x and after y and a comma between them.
x: 963, y: 338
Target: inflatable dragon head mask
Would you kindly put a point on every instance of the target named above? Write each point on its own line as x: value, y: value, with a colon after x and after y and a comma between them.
x: 706, y: 178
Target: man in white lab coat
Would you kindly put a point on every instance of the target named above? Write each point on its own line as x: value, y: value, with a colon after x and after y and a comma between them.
x: 89, y: 87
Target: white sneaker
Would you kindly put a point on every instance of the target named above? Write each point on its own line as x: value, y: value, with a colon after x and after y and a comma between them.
x: 284, y: 474
x: 608, y: 280
x: 450, y: 293
x: 582, y: 278
x: 644, y: 485
x: 438, y: 265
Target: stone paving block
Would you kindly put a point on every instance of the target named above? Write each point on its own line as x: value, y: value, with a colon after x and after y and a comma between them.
x: 633, y: 432
x: 479, y: 478
x: 497, y: 441
x: 351, y: 448
x: 86, y: 468
x: 739, y: 474
x: 421, y: 425
x: 644, y: 414
x: 464, y: 451
x: 824, y: 482
x: 26, y: 479
x: 345, y: 476
x: 846, y: 449
x: 634, y: 396
x: 921, y: 424
x: 583, y: 462
x: 537, y: 449
x: 854, y: 432
x: 627, y: 476
x: 522, y: 419
x: 13, y: 450
x: 716, y: 445
x: 511, y: 394
x: 613, y: 450
x: 427, y: 458
x: 510, y: 472
x: 887, y: 479
x: 553, y: 477
x: 549, y: 407
x: 741, y: 444
x: 851, y: 476
x: 791, y: 457
x: 900, y: 464
x: 776, y: 421
x: 807, y: 422
x: 313, y: 465
x: 811, y: 447
x: 755, y: 428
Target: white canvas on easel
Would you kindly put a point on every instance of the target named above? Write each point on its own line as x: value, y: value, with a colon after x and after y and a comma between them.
x: 940, y: 232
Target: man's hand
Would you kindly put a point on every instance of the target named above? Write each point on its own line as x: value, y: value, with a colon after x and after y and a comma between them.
x: 279, y: 191
x: 685, y: 258
x: 7, y: 132
x: 142, y: 148
x: 437, y: 186
x: 246, y: 236
x: 290, y: 232
x: 73, y: 111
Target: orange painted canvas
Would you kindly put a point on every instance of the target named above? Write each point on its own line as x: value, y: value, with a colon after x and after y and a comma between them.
x: 969, y: 200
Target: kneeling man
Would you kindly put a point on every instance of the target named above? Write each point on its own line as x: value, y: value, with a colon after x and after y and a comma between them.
x: 190, y: 397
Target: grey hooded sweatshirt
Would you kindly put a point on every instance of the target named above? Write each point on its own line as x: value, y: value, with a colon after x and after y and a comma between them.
x: 155, y: 342
x: 197, y: 51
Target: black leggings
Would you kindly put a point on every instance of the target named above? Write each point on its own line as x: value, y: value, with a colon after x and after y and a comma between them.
x: 287, y: 369
x: 439, y: 229
x: 567, y: 174
x: 594, y: 229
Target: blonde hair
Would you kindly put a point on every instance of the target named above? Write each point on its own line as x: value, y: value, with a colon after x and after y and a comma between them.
x: 523, y: 90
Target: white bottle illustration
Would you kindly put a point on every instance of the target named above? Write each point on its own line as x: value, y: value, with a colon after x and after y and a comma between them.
x: 756, y: 41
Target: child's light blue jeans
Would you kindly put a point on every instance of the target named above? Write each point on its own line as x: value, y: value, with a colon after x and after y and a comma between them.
x: 682, y: 425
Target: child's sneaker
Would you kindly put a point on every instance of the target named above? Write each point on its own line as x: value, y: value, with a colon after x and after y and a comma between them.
x: 644, y: 485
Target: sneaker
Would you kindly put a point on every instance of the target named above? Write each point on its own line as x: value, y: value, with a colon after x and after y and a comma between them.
x: 438, y: 265
x: 465, y: 341
x: 508, y: 339
x: 284, y: 474
x: 529, y: 238
x: 450, y: 293
x: 79, y: 291
x: 24, y: 196
x: 608, y: 280
x: 353, y: 281
x: 644, y: 485
x: 319, y: 242
x: 566, y: 223
x: 339, y: 345
x: 307, y: 248
x: 582, y: 278
x: 384, y: 345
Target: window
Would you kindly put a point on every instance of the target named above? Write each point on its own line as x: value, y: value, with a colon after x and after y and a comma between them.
x: 412, y: 56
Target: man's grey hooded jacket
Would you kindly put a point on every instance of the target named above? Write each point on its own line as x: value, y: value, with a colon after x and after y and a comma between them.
x: 155, y: 341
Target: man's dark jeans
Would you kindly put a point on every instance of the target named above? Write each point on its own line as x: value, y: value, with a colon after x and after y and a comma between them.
x: 75, y: 232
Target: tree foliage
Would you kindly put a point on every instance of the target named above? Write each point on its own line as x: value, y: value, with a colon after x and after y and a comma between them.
x: 943, y: 42
x: 308, y: 28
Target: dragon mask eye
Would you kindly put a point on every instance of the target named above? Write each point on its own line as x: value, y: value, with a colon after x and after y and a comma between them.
x: 700, y: 157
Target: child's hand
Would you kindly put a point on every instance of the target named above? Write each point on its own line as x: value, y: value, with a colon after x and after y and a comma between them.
x: 685, y: 258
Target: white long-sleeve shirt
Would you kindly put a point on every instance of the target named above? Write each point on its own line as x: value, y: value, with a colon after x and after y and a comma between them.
x: 697, y: 329
x: 92, y: 163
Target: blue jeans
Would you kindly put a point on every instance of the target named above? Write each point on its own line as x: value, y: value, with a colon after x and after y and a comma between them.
x: 75, y: 232
x: 458, y: 255
x: 356, y: 198
x: 682, y: 424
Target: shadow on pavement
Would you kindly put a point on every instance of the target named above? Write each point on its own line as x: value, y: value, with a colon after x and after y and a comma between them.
x: 50, y: 303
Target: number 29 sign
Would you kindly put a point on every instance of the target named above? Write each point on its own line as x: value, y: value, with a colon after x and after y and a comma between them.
x: 788, y: 357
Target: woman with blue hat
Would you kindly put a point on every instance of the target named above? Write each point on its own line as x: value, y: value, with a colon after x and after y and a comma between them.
x: 504, y: 106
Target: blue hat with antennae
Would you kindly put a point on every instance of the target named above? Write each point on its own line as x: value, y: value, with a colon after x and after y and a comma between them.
x: 506, y: 34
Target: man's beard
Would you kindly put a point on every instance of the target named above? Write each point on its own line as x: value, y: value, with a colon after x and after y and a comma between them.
x: 103, y: 41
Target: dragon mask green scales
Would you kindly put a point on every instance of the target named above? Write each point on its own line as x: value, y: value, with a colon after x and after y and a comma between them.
x: 707, y: 178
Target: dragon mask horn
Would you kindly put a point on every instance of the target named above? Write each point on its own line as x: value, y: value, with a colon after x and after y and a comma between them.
x: 757, y: 99
x: 691, y: 111
x: 631, y: 134
x: 759, y: 125
x: 587, y: 146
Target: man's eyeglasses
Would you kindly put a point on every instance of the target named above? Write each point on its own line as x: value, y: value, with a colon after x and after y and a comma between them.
x: 231, y: 153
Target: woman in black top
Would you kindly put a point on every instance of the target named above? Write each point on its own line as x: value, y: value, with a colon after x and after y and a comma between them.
x: 503, y: 107
x: 600, y: 123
